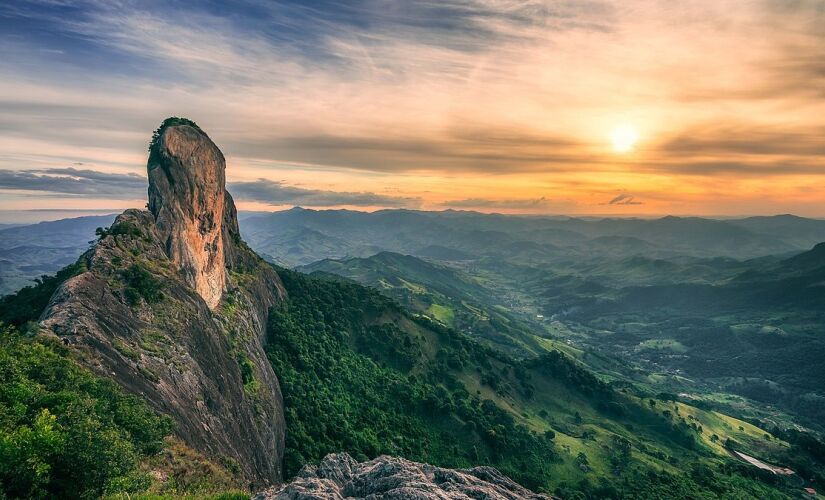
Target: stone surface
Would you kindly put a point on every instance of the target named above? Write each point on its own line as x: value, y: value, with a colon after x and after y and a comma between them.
x: 196, y: 351
x: 186, y: 196
x: 338, y: 476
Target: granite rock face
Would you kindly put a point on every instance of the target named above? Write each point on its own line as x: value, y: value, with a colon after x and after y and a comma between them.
x: 173, y: 306
x: 339, y: 476
x: 186, y: 197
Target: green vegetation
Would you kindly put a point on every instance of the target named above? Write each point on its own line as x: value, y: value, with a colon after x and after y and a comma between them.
x: 120, y: 228
x: 361, y: 375
x: 66, y: 433
x: 140, y: 283
x: 63, y: 431
x: 356, y: 384
x: 27, y: 304
x: 448, y: 295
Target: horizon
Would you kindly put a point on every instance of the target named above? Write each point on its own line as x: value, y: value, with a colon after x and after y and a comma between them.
x: 30, y: 217
x: 621, y: 109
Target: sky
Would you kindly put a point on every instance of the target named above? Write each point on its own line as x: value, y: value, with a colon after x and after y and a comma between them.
x: 625, y: 108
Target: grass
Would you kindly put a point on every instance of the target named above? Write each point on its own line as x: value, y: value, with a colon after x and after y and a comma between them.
x: 442, y: 313
x: 662, y: 345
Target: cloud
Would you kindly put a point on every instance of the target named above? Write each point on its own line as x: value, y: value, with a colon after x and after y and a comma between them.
x: 453, y: 90
x: 277, y: 193
x: 505, y: 204
x: 494, y: 150
x: 748, y: 140
x: 75, y: 182
x: 624, y: 199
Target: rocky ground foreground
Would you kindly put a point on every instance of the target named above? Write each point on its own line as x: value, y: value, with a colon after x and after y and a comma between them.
x: 339, y: 476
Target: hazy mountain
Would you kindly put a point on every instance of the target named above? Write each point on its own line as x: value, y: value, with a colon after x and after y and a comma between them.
x: 407, y: 231
x: 76, y: 232
x: 300, y: 236
x: 794, y: 230
x: 30, y: 251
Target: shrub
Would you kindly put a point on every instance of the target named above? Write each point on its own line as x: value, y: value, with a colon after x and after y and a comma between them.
x: 65, y: 432
x: 141, y: 283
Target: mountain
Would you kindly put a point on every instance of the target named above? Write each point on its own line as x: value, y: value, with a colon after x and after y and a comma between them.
x: 521, y: 238
x: 812, y: 261
x: 27, y: 252
x: 299, y: 237
x: 172, y: 305
x: 443, y: 293
x: 797, y: 231
x: 75, y: 232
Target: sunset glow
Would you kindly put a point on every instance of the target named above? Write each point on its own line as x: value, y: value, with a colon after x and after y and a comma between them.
x: 624, y: 138
x: 702, y: 108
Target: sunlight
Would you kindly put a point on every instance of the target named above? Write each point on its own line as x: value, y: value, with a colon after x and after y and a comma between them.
x: 624, y: 138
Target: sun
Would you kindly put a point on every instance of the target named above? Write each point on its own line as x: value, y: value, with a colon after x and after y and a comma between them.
x: 624, y: 138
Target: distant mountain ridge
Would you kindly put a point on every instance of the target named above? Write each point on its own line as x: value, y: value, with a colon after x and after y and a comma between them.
x: 301, y: 236
x: 476, y: 234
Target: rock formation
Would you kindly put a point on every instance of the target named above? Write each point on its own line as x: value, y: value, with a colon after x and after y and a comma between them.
x: 339, y: 476
x: 186, y: 196
x: 173, y: 306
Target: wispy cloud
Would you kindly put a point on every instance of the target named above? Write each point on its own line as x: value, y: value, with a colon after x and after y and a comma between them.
x: 452, y: 93
x: 624, y: 199
x: 276, y: 193
x: 72, y: 181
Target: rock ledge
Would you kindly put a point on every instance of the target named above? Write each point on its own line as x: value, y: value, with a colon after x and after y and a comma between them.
x: 339, y: 476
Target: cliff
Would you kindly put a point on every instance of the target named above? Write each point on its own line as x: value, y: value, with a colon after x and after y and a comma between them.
x: 173, y: 306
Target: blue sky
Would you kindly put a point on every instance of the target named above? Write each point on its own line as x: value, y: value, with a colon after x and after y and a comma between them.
x: 475, y: 104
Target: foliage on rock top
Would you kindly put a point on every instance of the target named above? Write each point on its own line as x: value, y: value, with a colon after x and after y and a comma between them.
x: 169, y: 122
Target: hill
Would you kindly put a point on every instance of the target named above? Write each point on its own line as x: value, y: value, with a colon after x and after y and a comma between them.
x: 473, y: 234
x: 346, y: 354
x: 442, y: 293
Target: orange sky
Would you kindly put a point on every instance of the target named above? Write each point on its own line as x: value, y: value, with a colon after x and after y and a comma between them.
x: 507, y: 107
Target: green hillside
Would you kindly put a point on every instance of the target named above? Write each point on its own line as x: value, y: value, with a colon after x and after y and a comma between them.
x: 444, y: 294
x: 362, y: 375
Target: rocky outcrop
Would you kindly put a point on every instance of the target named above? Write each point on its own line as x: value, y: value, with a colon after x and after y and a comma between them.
x: 339, y: 476
x: 186, y: 197
x: 173, y: 306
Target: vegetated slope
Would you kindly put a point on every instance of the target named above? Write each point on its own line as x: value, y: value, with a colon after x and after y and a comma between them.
x: 64, y: 432
x: 445, y: 294
x: 755, y: 333
x: 67, y: 433
x: 361, y: 375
